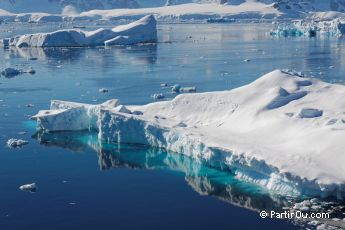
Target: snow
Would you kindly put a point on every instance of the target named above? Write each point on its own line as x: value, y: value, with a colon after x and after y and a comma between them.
x: 256, y: 131
x: 141, y: 31
x: 326, y: 15
x: 247, y: 10
x: 16, y: 143
x: 57, y: 6
x: 212, y: 11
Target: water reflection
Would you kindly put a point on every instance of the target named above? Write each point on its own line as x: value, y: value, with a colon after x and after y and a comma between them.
x: 203, y: 179
x: 42, y: 54
x: 107, y: 57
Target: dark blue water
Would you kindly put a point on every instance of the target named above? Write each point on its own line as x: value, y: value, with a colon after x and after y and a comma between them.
x: 84, y: 184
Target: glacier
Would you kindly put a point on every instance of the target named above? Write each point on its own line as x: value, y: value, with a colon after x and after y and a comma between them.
x: 179, y: 10
x: 281, y: 131
x: 143, y: 30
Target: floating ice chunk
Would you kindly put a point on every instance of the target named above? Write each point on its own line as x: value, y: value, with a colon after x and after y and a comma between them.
x: 246, y: 60
x: 29, y: 187
x: 176, y: 88
x: 103, y: 90
x: 16, y: 143
x: 188, y: 89
x: 158, y: 96
x: 163, y: 85
x: 310, y: 113
x: 141, y: 31
x: 10, y: 72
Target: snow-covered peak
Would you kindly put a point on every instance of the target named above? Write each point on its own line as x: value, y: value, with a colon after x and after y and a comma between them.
x: 290, y: 8
x: 57, y: 6
x: 308, y: 5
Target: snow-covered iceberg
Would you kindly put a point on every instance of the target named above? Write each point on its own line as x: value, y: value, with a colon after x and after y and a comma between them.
x: 311, y: 28
x: 283, y: 131
x: 141, y: 31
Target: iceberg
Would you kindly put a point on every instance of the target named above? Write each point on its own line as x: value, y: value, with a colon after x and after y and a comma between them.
x: 141, y: 31
x: 311, y: 28
x: 281, y: 132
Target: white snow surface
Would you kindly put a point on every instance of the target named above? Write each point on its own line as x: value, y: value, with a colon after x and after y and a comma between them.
x: 57, y: 6
x: 187, y: 11
x: 247, y: 10
x: 143, y: 30
x: 283, y: 131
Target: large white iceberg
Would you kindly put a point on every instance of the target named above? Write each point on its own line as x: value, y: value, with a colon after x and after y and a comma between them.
x: 141, y: 31
x: 283, y: 131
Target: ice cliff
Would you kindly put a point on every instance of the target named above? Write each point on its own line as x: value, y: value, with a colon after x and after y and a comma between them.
x: 141, y: 31
x: 311, y: 28
x: 284, y: 132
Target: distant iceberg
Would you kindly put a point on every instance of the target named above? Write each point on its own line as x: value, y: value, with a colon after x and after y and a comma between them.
x: 311, y: 28
x: 282, y: 131
x: 141, y: 31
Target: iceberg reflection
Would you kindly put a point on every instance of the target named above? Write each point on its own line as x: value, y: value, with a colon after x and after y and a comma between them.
x: 107, y: 57
x: 203, y: 179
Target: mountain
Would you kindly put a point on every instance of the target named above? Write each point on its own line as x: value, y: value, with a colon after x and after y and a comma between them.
x: 288, y: 8
x: 308, y: 5
x: 57, y: 6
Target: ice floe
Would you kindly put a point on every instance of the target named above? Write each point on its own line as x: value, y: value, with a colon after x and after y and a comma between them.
x: 29, y: 187
x: 141, y: 31
x: 16, y: 143
x: 103, y: 90
x: 158, y: 96
x: 246, y: 130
